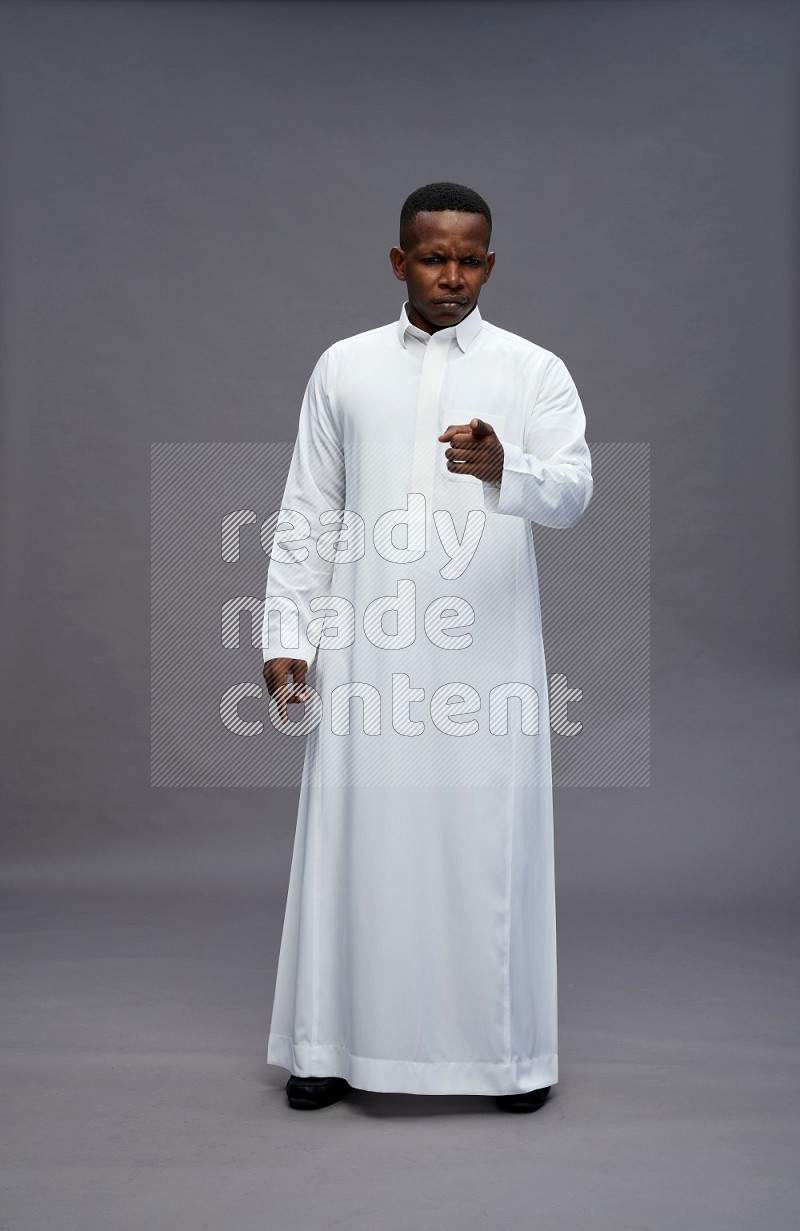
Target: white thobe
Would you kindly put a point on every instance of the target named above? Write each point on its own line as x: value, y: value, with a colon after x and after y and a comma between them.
x: 418, y: 951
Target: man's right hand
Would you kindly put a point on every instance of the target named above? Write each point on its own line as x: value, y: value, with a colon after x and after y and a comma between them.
x: 276, y: 674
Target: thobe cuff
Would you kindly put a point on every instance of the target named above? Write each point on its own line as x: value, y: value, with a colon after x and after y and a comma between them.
x: 553, y: 495
x: 512, y: 492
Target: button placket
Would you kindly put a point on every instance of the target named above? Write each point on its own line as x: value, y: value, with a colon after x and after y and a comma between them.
x: 426, y: 445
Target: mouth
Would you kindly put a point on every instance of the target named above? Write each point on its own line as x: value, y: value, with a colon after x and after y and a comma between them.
x: 452, y: 302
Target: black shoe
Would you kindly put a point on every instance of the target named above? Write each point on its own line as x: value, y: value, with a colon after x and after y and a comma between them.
x: 530, y: 1101
x: 306, y: 1093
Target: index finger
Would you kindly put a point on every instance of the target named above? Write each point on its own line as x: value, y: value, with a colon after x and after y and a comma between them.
x: 453, y: 428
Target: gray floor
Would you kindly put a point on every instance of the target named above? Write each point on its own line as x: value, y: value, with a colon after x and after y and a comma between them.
x: 137, y: 1095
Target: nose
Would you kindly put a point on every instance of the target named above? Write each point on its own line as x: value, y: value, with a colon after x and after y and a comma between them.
x: 451, y: 276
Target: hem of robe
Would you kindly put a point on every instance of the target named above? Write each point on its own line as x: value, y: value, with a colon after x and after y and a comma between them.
x: 413, y: 1076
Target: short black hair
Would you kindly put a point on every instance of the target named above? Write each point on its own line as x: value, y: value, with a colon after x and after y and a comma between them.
x: 443, y: 195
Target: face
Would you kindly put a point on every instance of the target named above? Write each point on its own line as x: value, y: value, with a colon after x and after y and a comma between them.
x: 444, y: 264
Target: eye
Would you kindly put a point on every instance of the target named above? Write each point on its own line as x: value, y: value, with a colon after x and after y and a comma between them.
x: 471, y: 260
x: 428, y: 260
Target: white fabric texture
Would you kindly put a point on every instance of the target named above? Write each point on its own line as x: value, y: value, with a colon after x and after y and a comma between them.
x: 418, y: 951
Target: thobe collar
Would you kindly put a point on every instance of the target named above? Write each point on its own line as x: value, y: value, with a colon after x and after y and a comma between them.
x: 465, y: 332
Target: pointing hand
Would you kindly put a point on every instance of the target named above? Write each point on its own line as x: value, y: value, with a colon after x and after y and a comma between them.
x: 474, y: 449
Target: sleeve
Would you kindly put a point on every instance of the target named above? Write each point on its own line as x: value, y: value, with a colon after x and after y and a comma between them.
x: 549, y: 481
x: 315, y: 483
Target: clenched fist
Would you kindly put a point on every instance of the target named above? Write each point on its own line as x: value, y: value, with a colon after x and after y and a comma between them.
x: 276, y: 674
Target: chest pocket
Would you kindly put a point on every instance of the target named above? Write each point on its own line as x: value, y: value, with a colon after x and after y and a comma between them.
x: 498, y: 422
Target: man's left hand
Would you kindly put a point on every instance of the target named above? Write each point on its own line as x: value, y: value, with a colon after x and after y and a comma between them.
x: 474, y: 449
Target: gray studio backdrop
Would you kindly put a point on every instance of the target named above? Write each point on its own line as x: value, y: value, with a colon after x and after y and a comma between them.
x: 199, y: 198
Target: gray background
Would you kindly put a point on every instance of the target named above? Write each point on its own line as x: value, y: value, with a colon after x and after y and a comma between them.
x: 197, y: 199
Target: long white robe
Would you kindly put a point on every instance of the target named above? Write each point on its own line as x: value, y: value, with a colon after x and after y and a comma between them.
x: 418, y: 951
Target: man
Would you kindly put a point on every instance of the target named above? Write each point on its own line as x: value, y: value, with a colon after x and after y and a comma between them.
x: 419, y: 945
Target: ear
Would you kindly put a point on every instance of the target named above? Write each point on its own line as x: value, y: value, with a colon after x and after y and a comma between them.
x: 398, y: 260
x: 489, y: 265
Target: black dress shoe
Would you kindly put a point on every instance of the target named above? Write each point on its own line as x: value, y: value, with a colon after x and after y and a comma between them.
x: 306, y: 1093
x: 529, y: 1101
